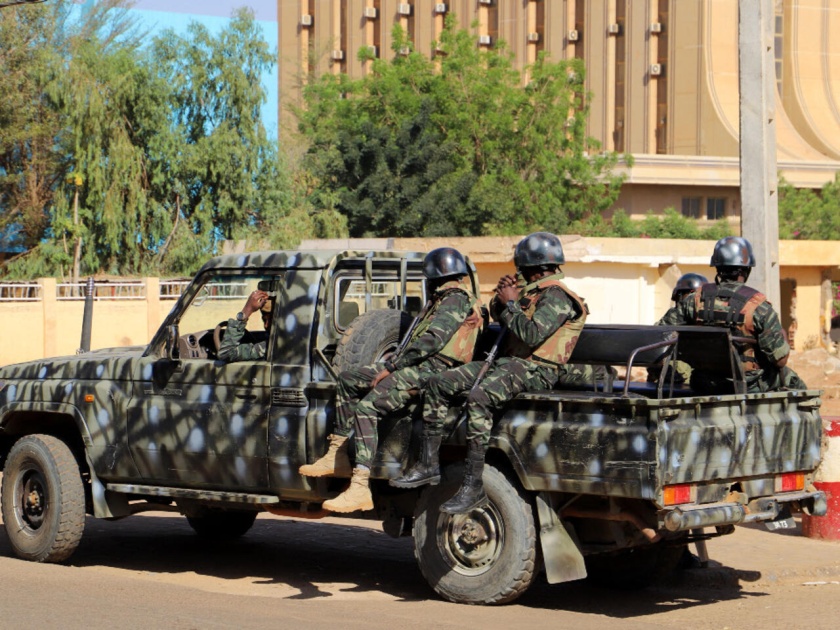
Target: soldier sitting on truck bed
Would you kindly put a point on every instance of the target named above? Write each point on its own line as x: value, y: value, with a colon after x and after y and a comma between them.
x: 730, y: 303
x: 544, y: 320
x: 443, y: 336
x: 230, y: 348
x: 687, y: 283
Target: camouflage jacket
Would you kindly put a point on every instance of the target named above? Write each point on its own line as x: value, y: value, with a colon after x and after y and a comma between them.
x: 766, y: 329
x: 446, y: 319
x: 231, y: 350
x: 554, y: 308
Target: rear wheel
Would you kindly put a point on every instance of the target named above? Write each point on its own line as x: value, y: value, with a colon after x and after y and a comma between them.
x: 221, y: 525
x: 370, y: 337
x: 43, y: 499
x: 487, y: 556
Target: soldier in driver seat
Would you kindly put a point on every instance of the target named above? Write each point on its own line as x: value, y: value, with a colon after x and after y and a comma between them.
x: 231, y: 349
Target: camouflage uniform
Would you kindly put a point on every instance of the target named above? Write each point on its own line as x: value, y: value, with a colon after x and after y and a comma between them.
x: 423, y: 357
x: 759, y: 361
x: 520, y: 369
x: 231, y: 350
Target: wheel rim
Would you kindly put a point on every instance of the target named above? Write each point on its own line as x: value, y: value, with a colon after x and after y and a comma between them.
x: 472, y: 542
x: 33, y: 503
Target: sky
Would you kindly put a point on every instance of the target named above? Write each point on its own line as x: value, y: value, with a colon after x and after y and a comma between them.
x: 214, y: 15
x: 263, y: 9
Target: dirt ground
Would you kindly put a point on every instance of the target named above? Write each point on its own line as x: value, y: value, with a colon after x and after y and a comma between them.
x: 151, y: 571
x: 820, y: 370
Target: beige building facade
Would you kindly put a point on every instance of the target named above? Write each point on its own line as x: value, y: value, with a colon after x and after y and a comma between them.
x: 624, y: 281
x: 663, y: 75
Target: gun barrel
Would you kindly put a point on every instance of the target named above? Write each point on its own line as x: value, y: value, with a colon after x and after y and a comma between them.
x: 87, y: 317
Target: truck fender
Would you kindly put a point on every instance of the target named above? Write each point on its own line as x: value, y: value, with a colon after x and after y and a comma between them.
x: 49, y: 407
x: 105, y: 504
x: 562, y: 558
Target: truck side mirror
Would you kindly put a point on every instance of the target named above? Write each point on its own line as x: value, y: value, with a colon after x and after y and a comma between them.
x: 173, y: 347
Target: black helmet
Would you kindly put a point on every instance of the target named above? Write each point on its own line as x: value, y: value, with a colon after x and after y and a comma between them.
x: 687, y: 283
x: 537, y: 250
x: 733, y: 251
x: 444, y: 262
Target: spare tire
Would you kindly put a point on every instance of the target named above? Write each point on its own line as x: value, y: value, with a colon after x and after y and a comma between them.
x: 370, y: 337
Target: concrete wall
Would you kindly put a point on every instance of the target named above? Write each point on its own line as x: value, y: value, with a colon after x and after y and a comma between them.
x: 623, y: 280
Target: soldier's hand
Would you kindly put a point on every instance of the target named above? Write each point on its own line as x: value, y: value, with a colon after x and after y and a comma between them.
x: 505, y: 281
x: 383, y: 374
x: 255, y: 302
x: 508, y: 293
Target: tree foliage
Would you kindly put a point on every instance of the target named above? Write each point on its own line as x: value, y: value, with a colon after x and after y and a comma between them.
x: 670, y: 224
x: 457, y: 145
x: 129, y: 159
x: 805, y: 214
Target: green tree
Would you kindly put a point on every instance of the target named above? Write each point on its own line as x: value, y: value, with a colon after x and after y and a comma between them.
x: 35, y: 44
x: 670, y: 224
x: 806, y: 214
x: 456, y: 145
x: 157, y: 153
x: 223, y: 173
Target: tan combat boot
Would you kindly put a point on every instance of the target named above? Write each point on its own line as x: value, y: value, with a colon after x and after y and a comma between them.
x: 335, y: 463
x: 356, y: 498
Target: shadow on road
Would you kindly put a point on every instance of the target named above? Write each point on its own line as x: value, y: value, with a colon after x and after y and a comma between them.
x: 303, y: 555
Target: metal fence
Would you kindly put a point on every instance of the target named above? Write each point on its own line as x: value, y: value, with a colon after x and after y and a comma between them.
x: 20, y: 292
x: 103, y: 290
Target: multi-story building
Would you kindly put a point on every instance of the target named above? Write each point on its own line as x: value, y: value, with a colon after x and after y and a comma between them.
x: 663, y: 75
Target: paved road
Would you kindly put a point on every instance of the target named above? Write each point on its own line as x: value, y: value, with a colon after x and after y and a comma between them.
x: 151, y: 571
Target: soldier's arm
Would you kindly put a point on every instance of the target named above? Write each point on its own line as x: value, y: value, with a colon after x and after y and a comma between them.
x: 680, y: 314
x: 552, y: 311
x: 771, y: 335
x: 453, y: 310
x: 231, y: 350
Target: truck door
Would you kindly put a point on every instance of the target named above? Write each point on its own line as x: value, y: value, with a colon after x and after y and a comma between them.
x: 198, y: 421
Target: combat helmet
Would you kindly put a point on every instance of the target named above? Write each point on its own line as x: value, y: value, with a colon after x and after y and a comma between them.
x: 733, y: 251
x: 540, y: 249
x: 444, y: 262
x: 687, y: 283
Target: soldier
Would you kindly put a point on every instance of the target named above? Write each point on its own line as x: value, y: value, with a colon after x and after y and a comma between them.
x: 543, y: 319
x: 687, y: 283
x: 444, y: 337
x: 730, y: 303
x: 230, y: 349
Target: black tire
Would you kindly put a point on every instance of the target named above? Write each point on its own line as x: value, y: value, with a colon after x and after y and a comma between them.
x: 43, y: 499
x: 370, y: 337
x: 496, y: 570
x: 222, y: 525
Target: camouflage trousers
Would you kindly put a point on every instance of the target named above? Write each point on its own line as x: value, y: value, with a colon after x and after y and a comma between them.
x: 360, y: 407
x: 507, y: 377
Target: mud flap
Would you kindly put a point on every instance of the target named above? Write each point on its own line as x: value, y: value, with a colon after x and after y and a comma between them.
x: 562, y: 558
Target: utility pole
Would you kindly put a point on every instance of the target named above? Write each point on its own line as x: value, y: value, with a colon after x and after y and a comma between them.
x: 759, y: 178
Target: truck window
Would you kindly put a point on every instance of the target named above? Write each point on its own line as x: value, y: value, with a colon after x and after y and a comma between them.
x: 351, y: 297
x: 219, y: 299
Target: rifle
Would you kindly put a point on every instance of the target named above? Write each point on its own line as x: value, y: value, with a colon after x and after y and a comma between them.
x: 407, y: 337
x: 489, y: 360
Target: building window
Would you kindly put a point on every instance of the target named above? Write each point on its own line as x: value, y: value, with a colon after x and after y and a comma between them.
x: 691, y: 207
x: 715, y: 208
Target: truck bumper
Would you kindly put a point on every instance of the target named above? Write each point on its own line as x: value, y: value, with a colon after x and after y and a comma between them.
x: 686, y: 517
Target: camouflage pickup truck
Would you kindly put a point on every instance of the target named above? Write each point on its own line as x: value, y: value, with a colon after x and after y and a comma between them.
x: 611, y: 480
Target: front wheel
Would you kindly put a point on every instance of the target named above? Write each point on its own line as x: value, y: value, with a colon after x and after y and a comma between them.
x: 487, y: 556
x: 43, y: 499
